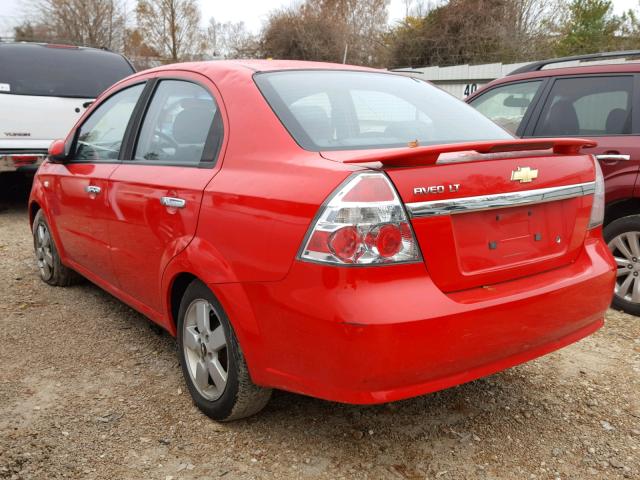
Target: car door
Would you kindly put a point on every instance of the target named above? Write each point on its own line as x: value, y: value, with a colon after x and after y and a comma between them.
x: 156, y: 193
x: 598, y: 107
x: 79, y: 188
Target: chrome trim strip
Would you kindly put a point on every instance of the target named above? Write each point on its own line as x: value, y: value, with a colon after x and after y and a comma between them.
x: 500, y: 200
x: 609, y: 157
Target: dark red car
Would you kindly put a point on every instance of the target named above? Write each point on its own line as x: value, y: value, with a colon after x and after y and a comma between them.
x: 596, y: 102
x: 341, y: 232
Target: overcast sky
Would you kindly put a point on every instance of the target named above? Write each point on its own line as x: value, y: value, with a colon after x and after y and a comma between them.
x: 252, y: 12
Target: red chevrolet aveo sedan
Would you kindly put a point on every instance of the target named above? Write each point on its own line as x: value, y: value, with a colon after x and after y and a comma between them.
x: 341, y: 232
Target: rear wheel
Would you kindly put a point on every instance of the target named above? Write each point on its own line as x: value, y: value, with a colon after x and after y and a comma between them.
x: 212, y: 361
x: 51, y: 269
x: 623, y: 238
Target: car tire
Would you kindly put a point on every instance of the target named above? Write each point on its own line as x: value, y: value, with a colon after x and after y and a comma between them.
x: 623, y: 238
x: 212, y: 362
x: 51, y: 269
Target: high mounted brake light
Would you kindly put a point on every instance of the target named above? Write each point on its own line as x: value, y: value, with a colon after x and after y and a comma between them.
x: 363, y: 223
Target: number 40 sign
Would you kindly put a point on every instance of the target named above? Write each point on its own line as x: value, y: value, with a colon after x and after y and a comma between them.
x: 470, y: 88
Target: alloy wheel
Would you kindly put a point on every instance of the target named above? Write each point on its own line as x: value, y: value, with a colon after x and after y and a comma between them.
x: 205, y: 349
x: 626, y: 251
x: 44, y: 254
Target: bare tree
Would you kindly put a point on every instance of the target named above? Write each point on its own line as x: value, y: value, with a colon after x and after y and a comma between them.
x: 98, y: 23
x: 171, y: 28
x: 328, y: 30
x: 33, y: 32
x: 362, y: 21
x: 229, y: 40
x: 531, y: 26
x: 474, y: 31
x: 300, y: 33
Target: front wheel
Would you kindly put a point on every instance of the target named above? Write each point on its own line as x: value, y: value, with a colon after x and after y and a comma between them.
x: 212, y: 362
x: 623, y: 238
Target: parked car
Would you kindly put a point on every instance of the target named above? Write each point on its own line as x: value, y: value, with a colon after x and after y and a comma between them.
x: 340, y: 232
x: 44, y: 89
x: 590, y: 101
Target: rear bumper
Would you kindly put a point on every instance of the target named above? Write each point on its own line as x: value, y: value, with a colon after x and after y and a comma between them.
x: 373, y: 335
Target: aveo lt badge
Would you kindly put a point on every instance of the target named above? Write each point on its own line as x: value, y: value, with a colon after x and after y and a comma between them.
x: 451, y: 188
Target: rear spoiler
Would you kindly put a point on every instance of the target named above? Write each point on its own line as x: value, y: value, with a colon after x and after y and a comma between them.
x: 428, y: 155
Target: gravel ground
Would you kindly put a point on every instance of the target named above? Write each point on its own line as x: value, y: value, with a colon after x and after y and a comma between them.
x: 89, y: 389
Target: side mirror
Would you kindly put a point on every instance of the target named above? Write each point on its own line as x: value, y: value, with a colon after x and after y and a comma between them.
x: 516, y: 102
x: 57, y: 151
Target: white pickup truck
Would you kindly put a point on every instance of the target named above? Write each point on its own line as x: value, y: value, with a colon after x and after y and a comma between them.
x: 44, y: 88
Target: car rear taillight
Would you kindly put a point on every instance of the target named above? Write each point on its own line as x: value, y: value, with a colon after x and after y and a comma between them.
x: 23, y: 160
x: 363, y: 223
x: 597, y: 210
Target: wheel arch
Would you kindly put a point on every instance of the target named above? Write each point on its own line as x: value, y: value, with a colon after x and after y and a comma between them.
x: 34, y: 207
x: 176, y: 290
x: 622, y: 208
x: 234, y: 301
x: 199, y: 261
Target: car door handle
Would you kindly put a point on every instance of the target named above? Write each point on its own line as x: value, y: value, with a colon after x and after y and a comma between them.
x: 613, y: 157
x: 92, y: 189
x: 173, y: 202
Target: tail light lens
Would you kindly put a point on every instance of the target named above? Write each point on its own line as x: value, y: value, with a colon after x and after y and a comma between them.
x: 363, y: 223
x: 597, y: 210
x: 22, y: 160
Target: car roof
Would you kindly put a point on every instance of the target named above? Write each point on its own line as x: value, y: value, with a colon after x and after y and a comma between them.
x: 611, y: 68
x: 628, y: 67
x: 18, y: 48
x: 58, y: 46
x: 589, y: 57
x: 249, y: 67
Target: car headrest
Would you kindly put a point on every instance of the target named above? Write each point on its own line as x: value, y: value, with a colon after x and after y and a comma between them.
x: 192, y: 124
x: 617, y: 121
x: 314, y: 120
x: 562, y: 119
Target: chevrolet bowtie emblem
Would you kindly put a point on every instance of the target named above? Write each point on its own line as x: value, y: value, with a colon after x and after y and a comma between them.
x: 524, y: 175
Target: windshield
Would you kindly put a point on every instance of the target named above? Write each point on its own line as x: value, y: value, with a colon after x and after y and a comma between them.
x: 346, y: 110
x: 59, y: 72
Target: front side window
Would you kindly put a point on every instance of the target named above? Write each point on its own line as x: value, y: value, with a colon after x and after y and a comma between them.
x: 508, y: 104
x: 344, y: 110
x: 100, y: 137
x: 177, y: 124
x: 589, y: 106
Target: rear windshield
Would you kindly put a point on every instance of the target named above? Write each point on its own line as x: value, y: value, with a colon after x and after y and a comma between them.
x: 346, y: 110
x: 59, y: 72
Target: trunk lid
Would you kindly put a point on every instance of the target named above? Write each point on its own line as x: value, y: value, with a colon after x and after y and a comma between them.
x: 482, y: 219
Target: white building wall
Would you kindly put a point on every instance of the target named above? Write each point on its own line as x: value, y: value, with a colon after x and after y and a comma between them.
x: 462, y: 80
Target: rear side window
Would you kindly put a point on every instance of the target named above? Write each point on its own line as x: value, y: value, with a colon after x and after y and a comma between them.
x: 100, y: 136
x: 59, y: 71
x: 589, y: 106
x: 177, y: 124
x: 508, y: 104
x: 346, y: 110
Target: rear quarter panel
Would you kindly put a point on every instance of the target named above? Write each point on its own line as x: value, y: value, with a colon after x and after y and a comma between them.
x: 257, y: 209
